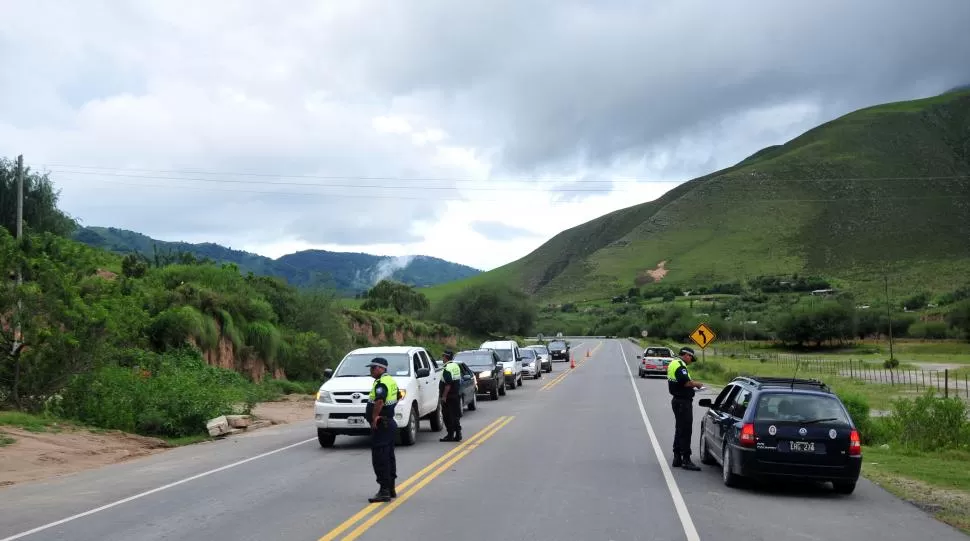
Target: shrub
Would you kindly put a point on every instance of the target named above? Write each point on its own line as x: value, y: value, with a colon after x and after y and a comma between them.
x: 930, y: 422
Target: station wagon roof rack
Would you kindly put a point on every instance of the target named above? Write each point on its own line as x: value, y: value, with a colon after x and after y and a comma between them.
x: 767, y: 381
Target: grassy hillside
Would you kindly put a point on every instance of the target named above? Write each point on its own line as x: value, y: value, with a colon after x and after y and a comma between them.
x: 883, y: 190
x: 346, y: 272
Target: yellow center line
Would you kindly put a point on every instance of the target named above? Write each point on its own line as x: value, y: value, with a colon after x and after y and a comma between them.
x: 403, y: 497
x: 558, y: 379
x: 371, y: 507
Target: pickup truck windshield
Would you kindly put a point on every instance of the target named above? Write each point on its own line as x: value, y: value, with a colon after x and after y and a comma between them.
x: 398, y: 364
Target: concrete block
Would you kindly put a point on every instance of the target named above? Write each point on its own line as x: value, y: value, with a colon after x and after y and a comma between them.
x: 239, y: 421
x: 218, y: 426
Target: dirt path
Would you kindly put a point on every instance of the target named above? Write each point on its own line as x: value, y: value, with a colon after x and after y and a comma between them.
x: 63, y: 450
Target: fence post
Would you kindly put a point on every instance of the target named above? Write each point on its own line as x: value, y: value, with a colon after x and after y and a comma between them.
x: 946, y: 382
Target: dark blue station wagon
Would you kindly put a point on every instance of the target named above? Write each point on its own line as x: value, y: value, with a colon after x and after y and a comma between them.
x: 781, y: 428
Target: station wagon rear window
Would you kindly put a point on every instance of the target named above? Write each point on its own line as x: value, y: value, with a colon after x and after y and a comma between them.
x: 800, y: 408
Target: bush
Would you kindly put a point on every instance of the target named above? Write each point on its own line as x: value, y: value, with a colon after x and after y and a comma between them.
x: 171, y: 394
x: 930, y: 423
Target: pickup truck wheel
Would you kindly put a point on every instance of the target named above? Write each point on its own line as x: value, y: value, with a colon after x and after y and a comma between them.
x: 437, y: 419
x: 325, y: 438
x: 409, y: 434
x: 474, y: 403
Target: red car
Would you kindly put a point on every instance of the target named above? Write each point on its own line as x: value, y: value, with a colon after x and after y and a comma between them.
x: 654, y: 361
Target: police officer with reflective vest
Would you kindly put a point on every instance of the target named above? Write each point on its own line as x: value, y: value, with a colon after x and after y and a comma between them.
x: 450, y: 397
x: 681, y: 388
x: 380, y: 413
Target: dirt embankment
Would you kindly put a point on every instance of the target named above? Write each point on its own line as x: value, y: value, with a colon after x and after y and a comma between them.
x: 61, y: 450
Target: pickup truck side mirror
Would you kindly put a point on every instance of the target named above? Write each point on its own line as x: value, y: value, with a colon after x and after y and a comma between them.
x: 328, y: 373
x: 704, y: 402
x: 639, y: 356
x: 423, y: 372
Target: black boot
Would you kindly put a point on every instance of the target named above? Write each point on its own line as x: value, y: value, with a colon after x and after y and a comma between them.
x: 449, y: 437
x: 678, y: 462
x: 393, y: 492
x: 458, y: 436
x: 689, y: 465
x: 383, y: 495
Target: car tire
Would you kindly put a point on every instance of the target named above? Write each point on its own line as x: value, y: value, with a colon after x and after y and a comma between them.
x: 473, y: 405
x: 493, y: 394
x: 730, y: 478
x: 437, y: 419
x: 325, y: 438
x: 409, y: 434
x: 844, y: 487
x: 706, y: 456
x: 503, y: 388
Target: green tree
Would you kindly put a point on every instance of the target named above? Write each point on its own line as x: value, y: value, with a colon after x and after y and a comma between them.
x: 41, y: 214
x: 402, y: 298
x: 488, y: 308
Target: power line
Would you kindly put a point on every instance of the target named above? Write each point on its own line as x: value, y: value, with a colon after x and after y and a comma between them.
x: 427, y: 198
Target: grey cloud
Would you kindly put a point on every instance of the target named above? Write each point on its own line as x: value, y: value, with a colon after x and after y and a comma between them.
x: 500, y: 231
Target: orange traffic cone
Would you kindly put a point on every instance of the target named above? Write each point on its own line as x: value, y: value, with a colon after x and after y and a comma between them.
x: 587, y: 354
x: 572, y: 361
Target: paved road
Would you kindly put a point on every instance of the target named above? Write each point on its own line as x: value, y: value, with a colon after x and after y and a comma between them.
x: 569, y: 456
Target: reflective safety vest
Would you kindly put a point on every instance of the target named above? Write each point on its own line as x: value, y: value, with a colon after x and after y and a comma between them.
x: 673, y: 367
x: 392, y: 391
x: 453, y: 368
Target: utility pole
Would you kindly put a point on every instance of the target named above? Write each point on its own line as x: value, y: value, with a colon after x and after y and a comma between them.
x: 15, y: 351
x: 889, y: 313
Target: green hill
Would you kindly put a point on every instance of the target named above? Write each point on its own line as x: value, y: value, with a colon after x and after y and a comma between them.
x: 346, y: 272
x: 881, y: 191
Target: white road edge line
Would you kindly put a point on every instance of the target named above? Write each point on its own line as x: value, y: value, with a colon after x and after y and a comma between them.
x: 152, y: 491
x: 675, y: 494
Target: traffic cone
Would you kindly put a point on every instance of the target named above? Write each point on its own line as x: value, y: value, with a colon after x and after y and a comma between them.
x: 572, y: 361
x: 587, y: 354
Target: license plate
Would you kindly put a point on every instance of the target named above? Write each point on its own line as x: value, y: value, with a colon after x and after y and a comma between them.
x: 355, y: 420
x: 803, y: 446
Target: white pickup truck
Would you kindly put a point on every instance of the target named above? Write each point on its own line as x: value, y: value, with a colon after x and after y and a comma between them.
x: 342, y: 399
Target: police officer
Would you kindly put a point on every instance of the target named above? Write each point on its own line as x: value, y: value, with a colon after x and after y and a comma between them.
x: 681, y: 388
x: 380, y: 412
x: 450, y: 389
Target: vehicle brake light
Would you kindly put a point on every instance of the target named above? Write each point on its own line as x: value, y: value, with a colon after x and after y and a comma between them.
x: 855, y: 444
x: 747, y: 435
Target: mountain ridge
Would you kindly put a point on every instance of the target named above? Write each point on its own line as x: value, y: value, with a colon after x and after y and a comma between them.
x: 837, y: 200
x: 347, y: 272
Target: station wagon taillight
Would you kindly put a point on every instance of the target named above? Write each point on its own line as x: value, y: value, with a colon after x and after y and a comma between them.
x: 855, y: 444
x: 747, y: 435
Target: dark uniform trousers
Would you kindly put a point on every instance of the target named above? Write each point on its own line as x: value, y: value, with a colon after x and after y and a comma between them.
x: 683, y: 423
x: 382, y: 452
x: 452, y: 414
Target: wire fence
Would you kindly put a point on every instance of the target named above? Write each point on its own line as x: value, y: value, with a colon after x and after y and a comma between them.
x: 955, y: 383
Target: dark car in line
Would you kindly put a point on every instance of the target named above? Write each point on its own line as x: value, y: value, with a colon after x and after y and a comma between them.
x: 486, y: 365
x: 468, y: 391
x: 781, y: 429
x: 558, y: 350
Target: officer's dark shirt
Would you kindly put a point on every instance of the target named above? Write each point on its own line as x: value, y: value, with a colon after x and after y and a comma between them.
x: 677, y: 388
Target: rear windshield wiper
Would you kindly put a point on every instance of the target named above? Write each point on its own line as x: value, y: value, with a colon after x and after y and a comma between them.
x: 819, y: 420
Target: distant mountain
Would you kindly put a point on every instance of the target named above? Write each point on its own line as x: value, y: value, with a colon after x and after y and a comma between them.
x: 880, y: 193
x: 346, y: 272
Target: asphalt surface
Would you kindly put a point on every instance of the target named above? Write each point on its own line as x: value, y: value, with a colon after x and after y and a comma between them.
x: 565, y: 457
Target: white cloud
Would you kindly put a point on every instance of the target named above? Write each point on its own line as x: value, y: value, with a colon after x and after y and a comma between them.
x: 400, y: 128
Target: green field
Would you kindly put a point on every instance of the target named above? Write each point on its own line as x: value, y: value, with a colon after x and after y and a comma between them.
x: 838, y: 202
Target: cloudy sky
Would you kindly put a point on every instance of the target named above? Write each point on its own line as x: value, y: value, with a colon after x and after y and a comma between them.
x: 471, y: 131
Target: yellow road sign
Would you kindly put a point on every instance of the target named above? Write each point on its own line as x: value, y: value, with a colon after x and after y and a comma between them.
x: 703, y: 335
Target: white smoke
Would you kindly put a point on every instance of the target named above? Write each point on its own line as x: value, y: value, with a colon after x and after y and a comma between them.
x: 388, y: 265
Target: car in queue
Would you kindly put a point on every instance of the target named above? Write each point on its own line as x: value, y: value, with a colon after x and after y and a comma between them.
x: 559, y: 350
x: 508, y: 352
x: 531, y: 363
x: 468, y: 388
x: 341, y: 400
x: 654, y: 361
x: 487, y: 367
x: 782, y: 429
x: 545, y: 359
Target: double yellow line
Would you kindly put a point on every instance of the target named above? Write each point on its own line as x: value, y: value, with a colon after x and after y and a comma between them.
x: 563, y: 375
x: 439, y: 466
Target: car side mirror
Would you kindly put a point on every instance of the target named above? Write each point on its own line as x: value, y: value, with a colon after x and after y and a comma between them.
x: 328, y: 373
x: 704, y: 402
x: 639, y: 356
x: 423, y: 372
